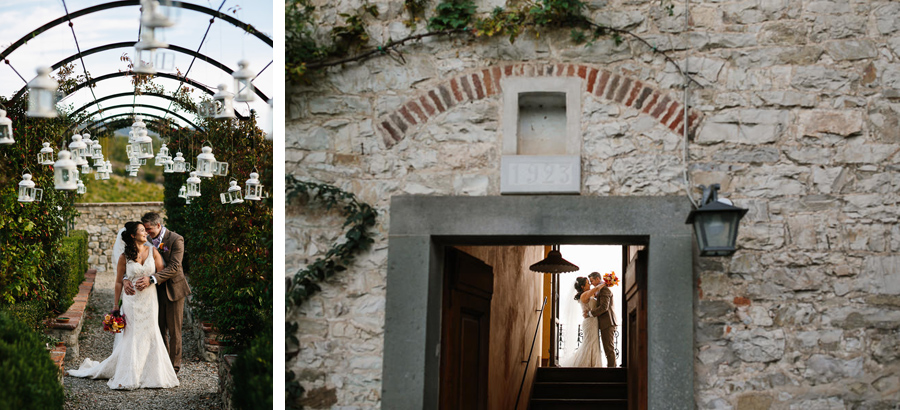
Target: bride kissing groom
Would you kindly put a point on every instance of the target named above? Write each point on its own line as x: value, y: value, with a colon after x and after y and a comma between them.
x: 147, y: 354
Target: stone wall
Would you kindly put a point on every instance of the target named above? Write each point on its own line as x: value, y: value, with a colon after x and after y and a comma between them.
x: 103, y: 221
x: 797, y: 119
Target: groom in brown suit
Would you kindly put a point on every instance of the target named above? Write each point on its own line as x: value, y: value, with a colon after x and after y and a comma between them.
x: 171, y: 285
x: 605, y: 314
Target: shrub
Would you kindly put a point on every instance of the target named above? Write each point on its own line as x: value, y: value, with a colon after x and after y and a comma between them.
x: 28, y: 376
x: 252, y: 373
x: 68, y: 272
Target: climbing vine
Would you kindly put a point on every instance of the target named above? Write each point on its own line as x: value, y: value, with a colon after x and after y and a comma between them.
x: 304, y: 55
x: 360, y: 217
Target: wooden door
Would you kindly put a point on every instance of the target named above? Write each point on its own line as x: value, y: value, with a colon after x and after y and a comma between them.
x: 465, y: 333
x: 636, y: 326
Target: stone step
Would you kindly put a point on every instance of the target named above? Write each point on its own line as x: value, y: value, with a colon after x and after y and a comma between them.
x: 578, y: 404
x: 580, y: 390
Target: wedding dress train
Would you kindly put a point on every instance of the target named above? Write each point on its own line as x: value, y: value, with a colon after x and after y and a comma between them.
x: 139, y: 358
x: 588, y: 353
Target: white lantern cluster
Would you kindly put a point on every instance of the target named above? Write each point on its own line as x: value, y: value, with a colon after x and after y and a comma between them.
x: 6, y: 132
x: 207, y: 166
x: 145, y: 50
x: 27, y: 190
x: 103, y: 170
x: 233, y: 195
x: 42, y: 95
x: 162, y: 157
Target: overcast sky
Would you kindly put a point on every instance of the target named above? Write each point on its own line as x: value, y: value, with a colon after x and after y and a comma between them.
x: 224, y: 43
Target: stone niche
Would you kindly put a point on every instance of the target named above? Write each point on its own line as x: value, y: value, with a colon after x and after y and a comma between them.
x: 541, y: 136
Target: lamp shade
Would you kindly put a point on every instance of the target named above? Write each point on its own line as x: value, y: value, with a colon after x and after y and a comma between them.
x: 554, y: 263
x: 715, y: 224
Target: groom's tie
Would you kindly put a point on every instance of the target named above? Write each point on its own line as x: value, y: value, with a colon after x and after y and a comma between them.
x: 155, y: 241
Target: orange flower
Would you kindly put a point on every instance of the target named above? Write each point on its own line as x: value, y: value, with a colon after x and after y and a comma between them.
x: 610, y: 279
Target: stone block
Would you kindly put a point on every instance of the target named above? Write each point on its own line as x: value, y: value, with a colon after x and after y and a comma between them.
x: 840, y: 122
x: 758, y: 345
x: 850, y: 50
x: 822, y: 368
x: 755, y: 401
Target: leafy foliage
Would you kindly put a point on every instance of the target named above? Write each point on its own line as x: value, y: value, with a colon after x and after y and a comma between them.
x: 452, y: 15
x: 360, y: 216
x: 31, y: 234
x: 228, y: 248
x: 63, y: 280
x: 353, y: 35
x: 27, y: 374
x: 252, y: 373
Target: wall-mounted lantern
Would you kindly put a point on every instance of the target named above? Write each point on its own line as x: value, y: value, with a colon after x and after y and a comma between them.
x: 715, y: 223
x: 42, y: 95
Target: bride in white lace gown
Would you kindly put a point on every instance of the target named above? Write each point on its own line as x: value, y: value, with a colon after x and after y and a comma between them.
x: 588, y: 353
x: 139, y: 358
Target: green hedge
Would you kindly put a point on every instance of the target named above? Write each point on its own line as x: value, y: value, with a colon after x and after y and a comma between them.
x: 69, y: 271
x: 252, y: 374
x: 28, y: 376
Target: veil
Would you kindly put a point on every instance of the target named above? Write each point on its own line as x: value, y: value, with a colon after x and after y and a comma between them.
x: 118, y: 248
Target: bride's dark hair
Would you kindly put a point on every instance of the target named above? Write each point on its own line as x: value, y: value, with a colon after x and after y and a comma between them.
x: 131, y: 250
x: 579, y: 286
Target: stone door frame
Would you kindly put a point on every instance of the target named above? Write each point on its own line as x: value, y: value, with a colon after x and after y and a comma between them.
x: 420, y: 227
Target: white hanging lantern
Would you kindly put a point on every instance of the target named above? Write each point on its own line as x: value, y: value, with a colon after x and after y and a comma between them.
x: 243, y: 82
x: 77, y: 149
x: 137, y: 126
x: 97, y: 151
x: 89, y: 150
x: 152, y: 16
x: 224, y: 101
x: 233, y: 195
x: 220, y: 169
x: 6, y: 132
x: 129, y: 150
x: 193, y: 185
x: 143, y: 146
x: 182, y: 193
x: 27, y: 191
x: 205, y: 162
x: 102, y: 173
x: 270, y: 121
x: 162, y: 156
x: 99, y: 162
x: 80, y: 189
x: 254, y: 189
x: 42, y: 95
x: 65, y: 172
x: 45, y: 157
x: 108, y: 169
x: 86, y: 169
x: 145, y: 52
x: 169, y: 166
x: 179, y: 165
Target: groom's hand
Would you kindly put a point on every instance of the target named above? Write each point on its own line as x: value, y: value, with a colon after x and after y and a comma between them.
x: 584, y: 313
x: 129, y: 288
x: 143, y: 282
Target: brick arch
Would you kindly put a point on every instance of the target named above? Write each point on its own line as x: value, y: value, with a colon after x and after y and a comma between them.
x: 485, y: 82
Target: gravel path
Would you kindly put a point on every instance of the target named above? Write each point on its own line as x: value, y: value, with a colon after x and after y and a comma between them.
x: 199, y: 380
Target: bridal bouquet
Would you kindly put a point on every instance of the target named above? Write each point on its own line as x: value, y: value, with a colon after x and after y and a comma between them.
x: 114, y: 322
x: 610, y: 279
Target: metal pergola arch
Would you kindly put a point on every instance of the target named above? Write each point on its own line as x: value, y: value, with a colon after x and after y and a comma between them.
x: 105, y: 77
x: 152, y: 123
x: 118, y: 95
x: 132, y: 105
x: 124, y: 3
x: 126, y: 44
x: 124, y: 114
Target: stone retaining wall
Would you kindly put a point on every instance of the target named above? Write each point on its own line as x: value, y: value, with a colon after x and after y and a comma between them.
x: 102, y: 222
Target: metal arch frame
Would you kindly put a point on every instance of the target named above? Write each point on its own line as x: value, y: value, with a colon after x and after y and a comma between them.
x: 128, y: 94
x: 125, y: 44
x: 128, y: 73
x: 153, y: 124
x: 132, y: 105
x: 126, y: 114
x: 124, y: 3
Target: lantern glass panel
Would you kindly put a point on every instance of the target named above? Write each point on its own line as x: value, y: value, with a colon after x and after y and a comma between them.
x: 146, y: 149
x: 168, y: 166
x: 45, y: 158
x: 6, y: 134
x: 97, y: 151
x: 144, y: 63
x: 220, y: 168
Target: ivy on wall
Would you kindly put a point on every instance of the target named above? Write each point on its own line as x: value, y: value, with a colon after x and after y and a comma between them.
x: 359, y: 217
